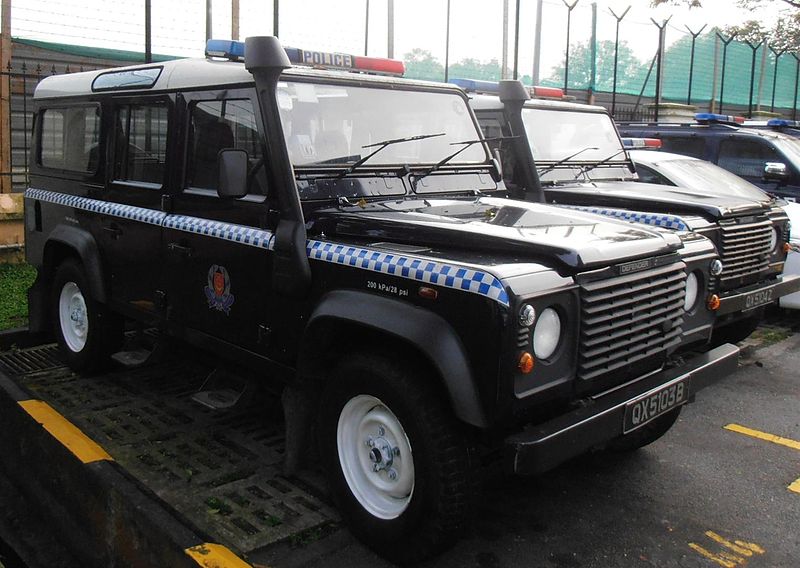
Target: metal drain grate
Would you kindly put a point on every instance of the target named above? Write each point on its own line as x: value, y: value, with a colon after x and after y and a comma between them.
x: 220, y: 469
x: 35, y: 359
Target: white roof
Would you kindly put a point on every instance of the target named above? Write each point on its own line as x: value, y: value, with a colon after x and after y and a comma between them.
x: 492, y: 102
x: 654, y: 156
x: 197, y: 73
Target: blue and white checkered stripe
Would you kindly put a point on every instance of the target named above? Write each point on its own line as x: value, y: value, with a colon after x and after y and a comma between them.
x: 131, y: 212
x: 242, y: 234
x: 421, y: 270
x: 667, y: 221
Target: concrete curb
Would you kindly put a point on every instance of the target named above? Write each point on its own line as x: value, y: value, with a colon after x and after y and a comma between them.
x: 102, y: 514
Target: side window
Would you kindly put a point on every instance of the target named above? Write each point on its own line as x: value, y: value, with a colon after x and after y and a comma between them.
x: 70, y: 138
x: 214, y: 126
x: 140, y: 147
x: 694, y: 147
x: 649, y: 175
x: 746, y: 158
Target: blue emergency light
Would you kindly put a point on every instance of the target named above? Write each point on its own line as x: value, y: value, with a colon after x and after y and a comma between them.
x: 234, y: 51
x: 783, y: 123
x: 708, y: 117
x: 477, y: 86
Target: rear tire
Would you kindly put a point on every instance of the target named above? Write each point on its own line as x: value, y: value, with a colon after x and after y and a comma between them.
x: 645, y: 435
x: 86, y: 331
x: 399, y: 463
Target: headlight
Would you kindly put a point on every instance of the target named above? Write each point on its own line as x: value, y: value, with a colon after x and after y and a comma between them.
x: 773, y: 239
x: 692, y: 287
x: 546, y: 333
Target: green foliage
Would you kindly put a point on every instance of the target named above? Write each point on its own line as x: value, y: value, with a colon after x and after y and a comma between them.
x: 15, y: 279
x: 421, y: 64
x: 631, y: 72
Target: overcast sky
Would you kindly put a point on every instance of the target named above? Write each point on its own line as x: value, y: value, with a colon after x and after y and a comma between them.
x: 476, y: 25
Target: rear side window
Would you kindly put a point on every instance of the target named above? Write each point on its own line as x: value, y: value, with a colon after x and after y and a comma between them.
x: 694, y: 147
x: 746, y: 158
x: 215, y: 126
x: 649, y: 175
x: 140, y: 152
x: 70, y: 138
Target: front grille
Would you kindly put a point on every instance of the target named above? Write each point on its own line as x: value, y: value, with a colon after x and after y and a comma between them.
x: 744, y: 250
x: 627, y: 319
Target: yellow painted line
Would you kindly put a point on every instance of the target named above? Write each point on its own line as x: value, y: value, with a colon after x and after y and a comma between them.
x: 794, y: 444
x: 795, y: 486
x: 711, y: 556
x: 210, y: 555
x: 84, y: 448
x: 745, y: 551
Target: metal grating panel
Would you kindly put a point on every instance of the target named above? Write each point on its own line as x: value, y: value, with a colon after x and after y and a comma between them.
x: 35, y: 359
x: 744, y: 249
x: 627, y: 319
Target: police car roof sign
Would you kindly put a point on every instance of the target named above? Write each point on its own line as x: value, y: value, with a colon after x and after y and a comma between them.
x: 234, y: 50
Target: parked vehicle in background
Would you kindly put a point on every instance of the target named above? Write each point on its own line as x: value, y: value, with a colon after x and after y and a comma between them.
x: 767, y: 158
x: 348, y: 238
x: 701, y: 176
x: 571, y: 154
x: 790, y: 127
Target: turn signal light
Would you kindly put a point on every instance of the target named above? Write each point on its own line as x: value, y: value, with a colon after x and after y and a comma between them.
x: 525, y: 363
x: 787, y: 248
x: 713, y: 302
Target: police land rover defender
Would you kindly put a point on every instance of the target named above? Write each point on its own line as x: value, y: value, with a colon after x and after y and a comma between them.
x: 571, y: 154
x: 347, y: 237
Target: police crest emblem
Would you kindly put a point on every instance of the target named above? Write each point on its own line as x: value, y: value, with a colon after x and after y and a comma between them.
x: 218, y: 291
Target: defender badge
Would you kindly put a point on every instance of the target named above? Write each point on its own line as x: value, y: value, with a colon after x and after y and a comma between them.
x: 218, y: 291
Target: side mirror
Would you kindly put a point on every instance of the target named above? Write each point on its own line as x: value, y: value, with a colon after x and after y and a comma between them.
x: 232, y: 165
x: 497, y: 172
x: 775, y: 171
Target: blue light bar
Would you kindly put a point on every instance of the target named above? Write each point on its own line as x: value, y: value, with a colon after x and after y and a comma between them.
x: 477, y: 86
x: 233, y: 50
x: 782, y: 122
x: 722, y: 118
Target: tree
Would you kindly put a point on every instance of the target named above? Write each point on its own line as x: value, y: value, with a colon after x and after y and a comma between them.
x: 783, y: 35
x: 421, y: 64
x: 475, y: 69
x: 630, y: 71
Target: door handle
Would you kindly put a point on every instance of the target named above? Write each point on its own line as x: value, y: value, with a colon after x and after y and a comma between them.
x: 115, y: 231
x: 180, y: 249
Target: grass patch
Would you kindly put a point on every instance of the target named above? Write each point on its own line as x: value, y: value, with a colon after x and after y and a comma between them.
x: 15, y: 279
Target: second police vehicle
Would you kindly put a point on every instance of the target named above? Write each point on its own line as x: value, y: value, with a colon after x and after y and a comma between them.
x: 348, y: 237
x: 572, y: 155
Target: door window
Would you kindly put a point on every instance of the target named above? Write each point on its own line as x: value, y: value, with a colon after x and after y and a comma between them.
x: 685, y: 145
x: 746, y: 158
x: 215, y: 126
x: 141, y: 143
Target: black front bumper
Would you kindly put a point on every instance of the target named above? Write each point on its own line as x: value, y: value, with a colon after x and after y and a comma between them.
x: 544, y: 446
x: 757, y: 295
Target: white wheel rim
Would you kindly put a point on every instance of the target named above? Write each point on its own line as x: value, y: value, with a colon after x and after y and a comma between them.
x: 375, y: 456
x: 73, y: 317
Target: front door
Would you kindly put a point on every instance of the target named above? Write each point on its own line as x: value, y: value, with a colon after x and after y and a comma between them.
x: 217, y: 251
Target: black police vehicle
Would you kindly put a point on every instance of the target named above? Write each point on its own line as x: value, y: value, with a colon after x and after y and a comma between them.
x: 766, y: 157
x: 347, y: 237
x: 572, y: 155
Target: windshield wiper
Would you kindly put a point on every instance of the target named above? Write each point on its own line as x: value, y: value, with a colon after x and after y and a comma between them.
x: 586, y: 169
x: 381, y: 145
x: 563, y: 160
x: 466, y: 144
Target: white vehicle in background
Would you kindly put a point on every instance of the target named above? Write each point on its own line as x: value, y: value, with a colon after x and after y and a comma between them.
x: 699, y: 175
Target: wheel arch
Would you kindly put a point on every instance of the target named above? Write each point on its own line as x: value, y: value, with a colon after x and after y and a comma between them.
x: 362, y: 318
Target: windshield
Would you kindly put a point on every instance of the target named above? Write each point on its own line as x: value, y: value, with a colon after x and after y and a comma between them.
x: 791, y: 148
x: 330, y: 125
x: 554, y: 134
x: 705, y: 177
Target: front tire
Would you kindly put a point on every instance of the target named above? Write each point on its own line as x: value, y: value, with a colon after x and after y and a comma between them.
x: 400, y: 465
x: 87, y: 333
